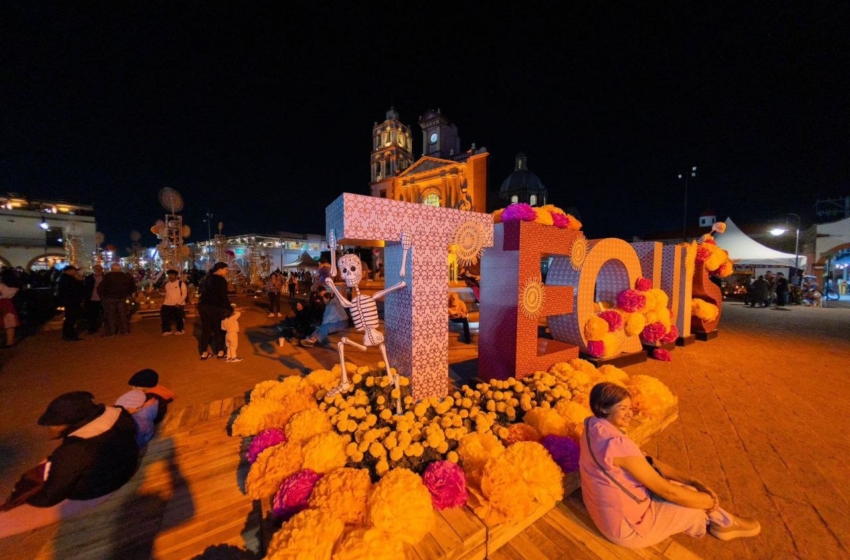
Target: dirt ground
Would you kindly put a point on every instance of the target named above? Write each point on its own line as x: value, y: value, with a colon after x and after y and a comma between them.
x: 762, y: 409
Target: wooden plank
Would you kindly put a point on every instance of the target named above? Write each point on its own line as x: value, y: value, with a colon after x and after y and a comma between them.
x: 499, y: 535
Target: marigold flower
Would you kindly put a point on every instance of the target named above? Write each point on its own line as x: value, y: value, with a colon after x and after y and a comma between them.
x: 309, y: 535
x: 307, y: 424
x: 344, y: 493
x: 271, y: 468
x: 401, y: 494
x: 369, y: 544
x: 325, y: 452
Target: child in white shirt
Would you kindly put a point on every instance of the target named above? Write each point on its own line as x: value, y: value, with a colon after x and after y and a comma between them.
x: 231, y: 339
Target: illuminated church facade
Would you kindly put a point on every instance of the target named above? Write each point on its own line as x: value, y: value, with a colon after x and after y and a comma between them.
x: 444, y: 175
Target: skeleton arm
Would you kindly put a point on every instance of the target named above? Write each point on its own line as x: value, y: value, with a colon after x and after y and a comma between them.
x: 329, y: 282
x: 406, y: 241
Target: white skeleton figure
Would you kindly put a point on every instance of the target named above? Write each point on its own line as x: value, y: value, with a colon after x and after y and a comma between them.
x: 364, y: 310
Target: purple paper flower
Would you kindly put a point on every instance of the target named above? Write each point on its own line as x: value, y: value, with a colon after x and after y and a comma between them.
x: 643, y: 284
x: 614, y: 320
x: 595, y: 348
x: 564, y: 451
x: 447, y: 484
x: 631, y: 300
x: 671, y: 335
x: 560, y: 221
x: 662, y: 355
x: 654, y: 332
x: 519, y: 211
x: 264, y: 440
x: 293, y: 494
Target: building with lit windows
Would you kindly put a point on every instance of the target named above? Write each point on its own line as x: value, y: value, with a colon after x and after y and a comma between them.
x: 444, y: 176
x: 523, y: 186
x: 38, y: 234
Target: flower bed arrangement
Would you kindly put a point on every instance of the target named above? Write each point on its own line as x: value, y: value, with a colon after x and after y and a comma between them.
x: 548, y: 215
x: 343, y: 471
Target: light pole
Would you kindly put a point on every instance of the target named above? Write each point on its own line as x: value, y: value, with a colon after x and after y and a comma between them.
x: 686, y: 175
x: 208, y: 220
x: 780, y: 231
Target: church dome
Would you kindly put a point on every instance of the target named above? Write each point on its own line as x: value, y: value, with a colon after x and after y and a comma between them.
x: 523, y: 184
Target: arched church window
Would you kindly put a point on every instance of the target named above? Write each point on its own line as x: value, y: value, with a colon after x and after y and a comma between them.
x: 432, y: 199
x: 514, y: 198
x: 532, y: 200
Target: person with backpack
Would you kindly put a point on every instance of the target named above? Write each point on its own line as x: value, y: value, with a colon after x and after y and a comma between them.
x: 176, y: 292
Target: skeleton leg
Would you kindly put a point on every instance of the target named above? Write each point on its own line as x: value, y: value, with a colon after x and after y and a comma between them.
x: 344, y: 385
x: 393, y: 378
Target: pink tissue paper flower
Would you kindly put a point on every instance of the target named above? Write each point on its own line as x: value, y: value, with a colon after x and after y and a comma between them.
x: 519, y: 211
x: 293, y: 494
x: 447, y: 484
x: 671, y: 336
x: 614, y: 320
x: 596, y: 348
x: 264, y: 440
x: 564, y: 451
x: 662, y: 354
x: 560, y: 221
x: 630, y: 300
x: 643, y: 284
x: 654, y: 332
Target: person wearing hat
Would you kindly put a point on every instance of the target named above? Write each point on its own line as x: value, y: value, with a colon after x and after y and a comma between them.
x: 147, y: 380
x: 172, y: 307
x: 70, y: 294
x: 213, y: 308
x: 97, y: 456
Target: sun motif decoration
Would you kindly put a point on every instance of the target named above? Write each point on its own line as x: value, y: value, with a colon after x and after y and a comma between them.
x: 579, y: 252
x: 469, y: 240
x: 532, y: 298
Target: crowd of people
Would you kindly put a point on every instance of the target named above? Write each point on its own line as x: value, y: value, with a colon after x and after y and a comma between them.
x: 767, y: 290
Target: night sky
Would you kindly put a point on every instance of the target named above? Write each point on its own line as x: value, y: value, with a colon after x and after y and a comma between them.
x: 262, y: 112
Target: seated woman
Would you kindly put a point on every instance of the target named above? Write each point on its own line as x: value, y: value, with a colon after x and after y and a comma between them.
x: 147, y: 380
x: 635, y: 500
x: 97, y: 456
x: 459, y: 314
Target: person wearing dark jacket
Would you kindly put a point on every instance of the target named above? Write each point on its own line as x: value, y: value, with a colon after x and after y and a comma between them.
x: 114, y: 290
x: 97, y: 456
x: 92, y: 306
x: 213, y: 306
x: 70, y: 294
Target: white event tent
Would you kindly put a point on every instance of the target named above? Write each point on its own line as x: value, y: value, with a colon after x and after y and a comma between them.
x: 745, y: 250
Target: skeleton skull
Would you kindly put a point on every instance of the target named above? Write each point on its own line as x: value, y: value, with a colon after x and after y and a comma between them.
x: 351, y: 269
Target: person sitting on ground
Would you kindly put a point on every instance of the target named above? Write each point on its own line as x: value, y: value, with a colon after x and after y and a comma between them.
x: 96, y: 457
x: 147, y: 380
x: 459, y: 314
x: 143, y: 411
x: 334, y: 319
x: 636, y: 500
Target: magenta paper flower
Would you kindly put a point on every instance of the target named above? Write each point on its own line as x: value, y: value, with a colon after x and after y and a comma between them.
x: 631, y: 300
x: 614, y: 320
x: 447, y: 484
x: 596, y: 348
x: 643, y: 284
x: 671, y: 335
x: 662, y: 354
x: 264, y: 440
x: 654, y: 332
x: 519, y: 211
x: 560, y: 221
x: 293, y: 494
x: 564, y: 451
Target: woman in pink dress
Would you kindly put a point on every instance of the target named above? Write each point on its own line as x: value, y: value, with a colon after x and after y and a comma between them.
x: 635, y: 500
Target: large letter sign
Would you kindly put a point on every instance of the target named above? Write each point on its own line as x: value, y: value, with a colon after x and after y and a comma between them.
x: 415, y: 317
x: 514, y: 299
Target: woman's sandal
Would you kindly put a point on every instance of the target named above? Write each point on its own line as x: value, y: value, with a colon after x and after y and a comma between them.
x: 206, y: 356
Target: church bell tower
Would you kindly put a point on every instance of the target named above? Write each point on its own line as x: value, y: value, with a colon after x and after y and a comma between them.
x: 392, y: 148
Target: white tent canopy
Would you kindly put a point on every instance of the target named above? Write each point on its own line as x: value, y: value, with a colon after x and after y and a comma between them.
x: 746, y: 251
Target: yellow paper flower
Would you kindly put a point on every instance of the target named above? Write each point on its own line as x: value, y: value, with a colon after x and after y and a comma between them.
x: 325, y: 379
x: 546, y: 422
x: 344, y: 493
x: 595, y: 328
x: 649, y: 395
x: 521, y: 432
x: 369, y: 544
x: 703, y: 310
x: 274, y: 465
x: 475, y: 450
x: 306, y: 424
x: 309, y: 535
x: 635, y: 324
x: 506, y: 497
x: 401, y: 495
x: 541, y: 474
x: 290, y: 385
x: 325, y: 452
